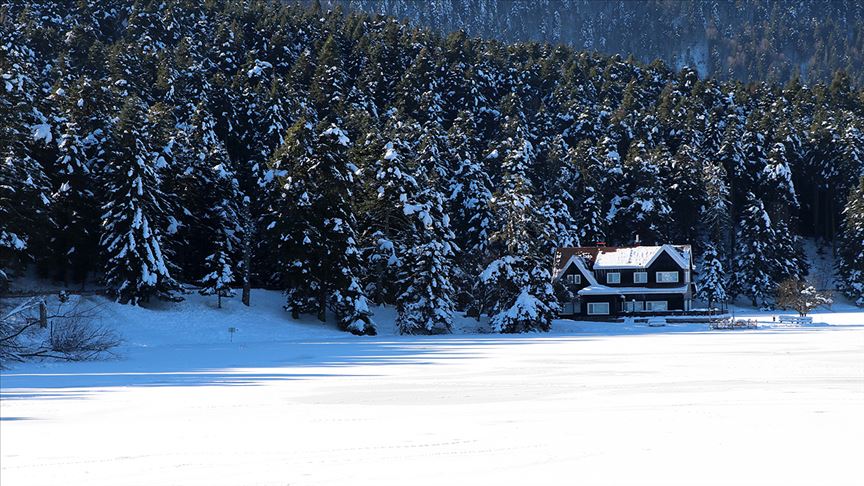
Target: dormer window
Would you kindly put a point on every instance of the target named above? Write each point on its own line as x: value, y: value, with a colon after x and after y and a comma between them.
x: 573, y: 279
x: 613, y: 278
x: 667, y: 277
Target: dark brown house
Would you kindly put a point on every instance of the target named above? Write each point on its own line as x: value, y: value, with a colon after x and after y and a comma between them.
x: 609, y: 281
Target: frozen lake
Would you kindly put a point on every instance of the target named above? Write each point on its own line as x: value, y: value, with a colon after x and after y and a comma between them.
x: 771, y: 406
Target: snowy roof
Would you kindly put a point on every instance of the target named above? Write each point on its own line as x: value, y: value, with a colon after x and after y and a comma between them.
x: 639, y: 256
x: 604, y: 290
x: 580, y: 264
x: 602, y: 258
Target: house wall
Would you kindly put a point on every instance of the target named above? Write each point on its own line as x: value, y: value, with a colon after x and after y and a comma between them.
x: 675, y: 302
x: 663, y: 263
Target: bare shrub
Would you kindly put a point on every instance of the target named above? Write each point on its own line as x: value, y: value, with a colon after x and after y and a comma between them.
x: 800, y: 296
x: 70, y: 331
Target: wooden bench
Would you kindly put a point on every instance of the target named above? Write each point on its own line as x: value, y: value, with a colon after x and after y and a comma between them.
x: 795, y: 320
x: 729, y: 323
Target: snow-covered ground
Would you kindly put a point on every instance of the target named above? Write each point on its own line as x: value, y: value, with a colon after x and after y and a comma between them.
x: 297, y: 403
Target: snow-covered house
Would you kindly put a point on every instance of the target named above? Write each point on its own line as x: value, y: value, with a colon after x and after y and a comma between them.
x: 625, y: 280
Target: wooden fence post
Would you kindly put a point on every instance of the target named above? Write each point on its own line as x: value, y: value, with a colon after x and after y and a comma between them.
x: 43, y: 314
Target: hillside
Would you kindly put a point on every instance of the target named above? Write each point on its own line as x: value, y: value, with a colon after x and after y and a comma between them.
x: 353, y: 161
x: 750, y: 40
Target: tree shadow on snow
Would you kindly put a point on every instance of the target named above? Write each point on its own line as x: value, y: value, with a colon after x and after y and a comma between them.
x: 245, y: 365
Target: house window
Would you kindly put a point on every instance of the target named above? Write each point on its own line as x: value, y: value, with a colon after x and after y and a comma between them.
x: 656, y: 305
x: 613, y: 277
x: 634, y: 306
x: 598, y: 308
x: 640, y: 277
x: 574, y: 279
x: 667, y: 277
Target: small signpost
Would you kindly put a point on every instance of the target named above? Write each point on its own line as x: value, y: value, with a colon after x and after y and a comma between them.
x: 231, y: 331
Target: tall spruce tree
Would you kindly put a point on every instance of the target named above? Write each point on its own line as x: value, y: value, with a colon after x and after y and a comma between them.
x: 850, y: 264
x: 753, y: 264
x: 523, y: 299
x: 319, y: 233
x: 711, y: 281
x: 426, y: 305
x: 136, y: 267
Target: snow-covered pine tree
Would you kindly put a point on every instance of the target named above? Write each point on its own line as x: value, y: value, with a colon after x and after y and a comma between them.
x: 470, y: 193
x: 218, y: 191
x: 221, y: 274
x: 24, y: 188
x: 131, y: 239
x: 711, y: 278
x: 590, y: 199
x: 76, y: 210
x: 426, y: 305
x: 642, y: 207
x: 339, y: 249
x: 418, y: 93
x: 390, y: 184
x: 753, y: 261
x: 684, y: 192
x: 781, y: 202
x: 714, y: 219
x: 558, y: 178
x: 328, y: 83
x: 317, y: 227
x: 523, y: 298
x: 294, y: 219
x: 850, y: 264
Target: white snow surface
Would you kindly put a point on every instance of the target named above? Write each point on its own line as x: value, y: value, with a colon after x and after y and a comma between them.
x: 302, y: 403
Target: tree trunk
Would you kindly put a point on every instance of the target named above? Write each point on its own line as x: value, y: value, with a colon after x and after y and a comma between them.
x: 817, y: 231
x: 322, y: 305
x: 247, y: 257
x: 219, y: 300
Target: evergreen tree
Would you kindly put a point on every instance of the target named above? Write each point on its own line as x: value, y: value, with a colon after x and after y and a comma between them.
x: 24, y: 187
x: 75, y: 211
x: 220, y: 275
x: 470, y: 196
x: 711, y: 281
x: 523, y: 299
x: 391, y: 185
x: 136, y: 267
x: 319, y: 233
x: 642, y: 208
x: 590, y: 194
x: 426, y: 303
x: 753, y: 262
x: 850, y: 265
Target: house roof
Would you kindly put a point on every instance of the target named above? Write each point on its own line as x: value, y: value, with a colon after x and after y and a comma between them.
x: 640, y: 256
x: 601, y: 258
x: 577, y: 260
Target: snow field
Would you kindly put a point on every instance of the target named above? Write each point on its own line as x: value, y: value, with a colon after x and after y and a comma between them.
x: 304, y: 404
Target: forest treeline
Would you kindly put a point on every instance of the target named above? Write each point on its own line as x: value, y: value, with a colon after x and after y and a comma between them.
x: 354, y: 160
x: 747, y: 40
